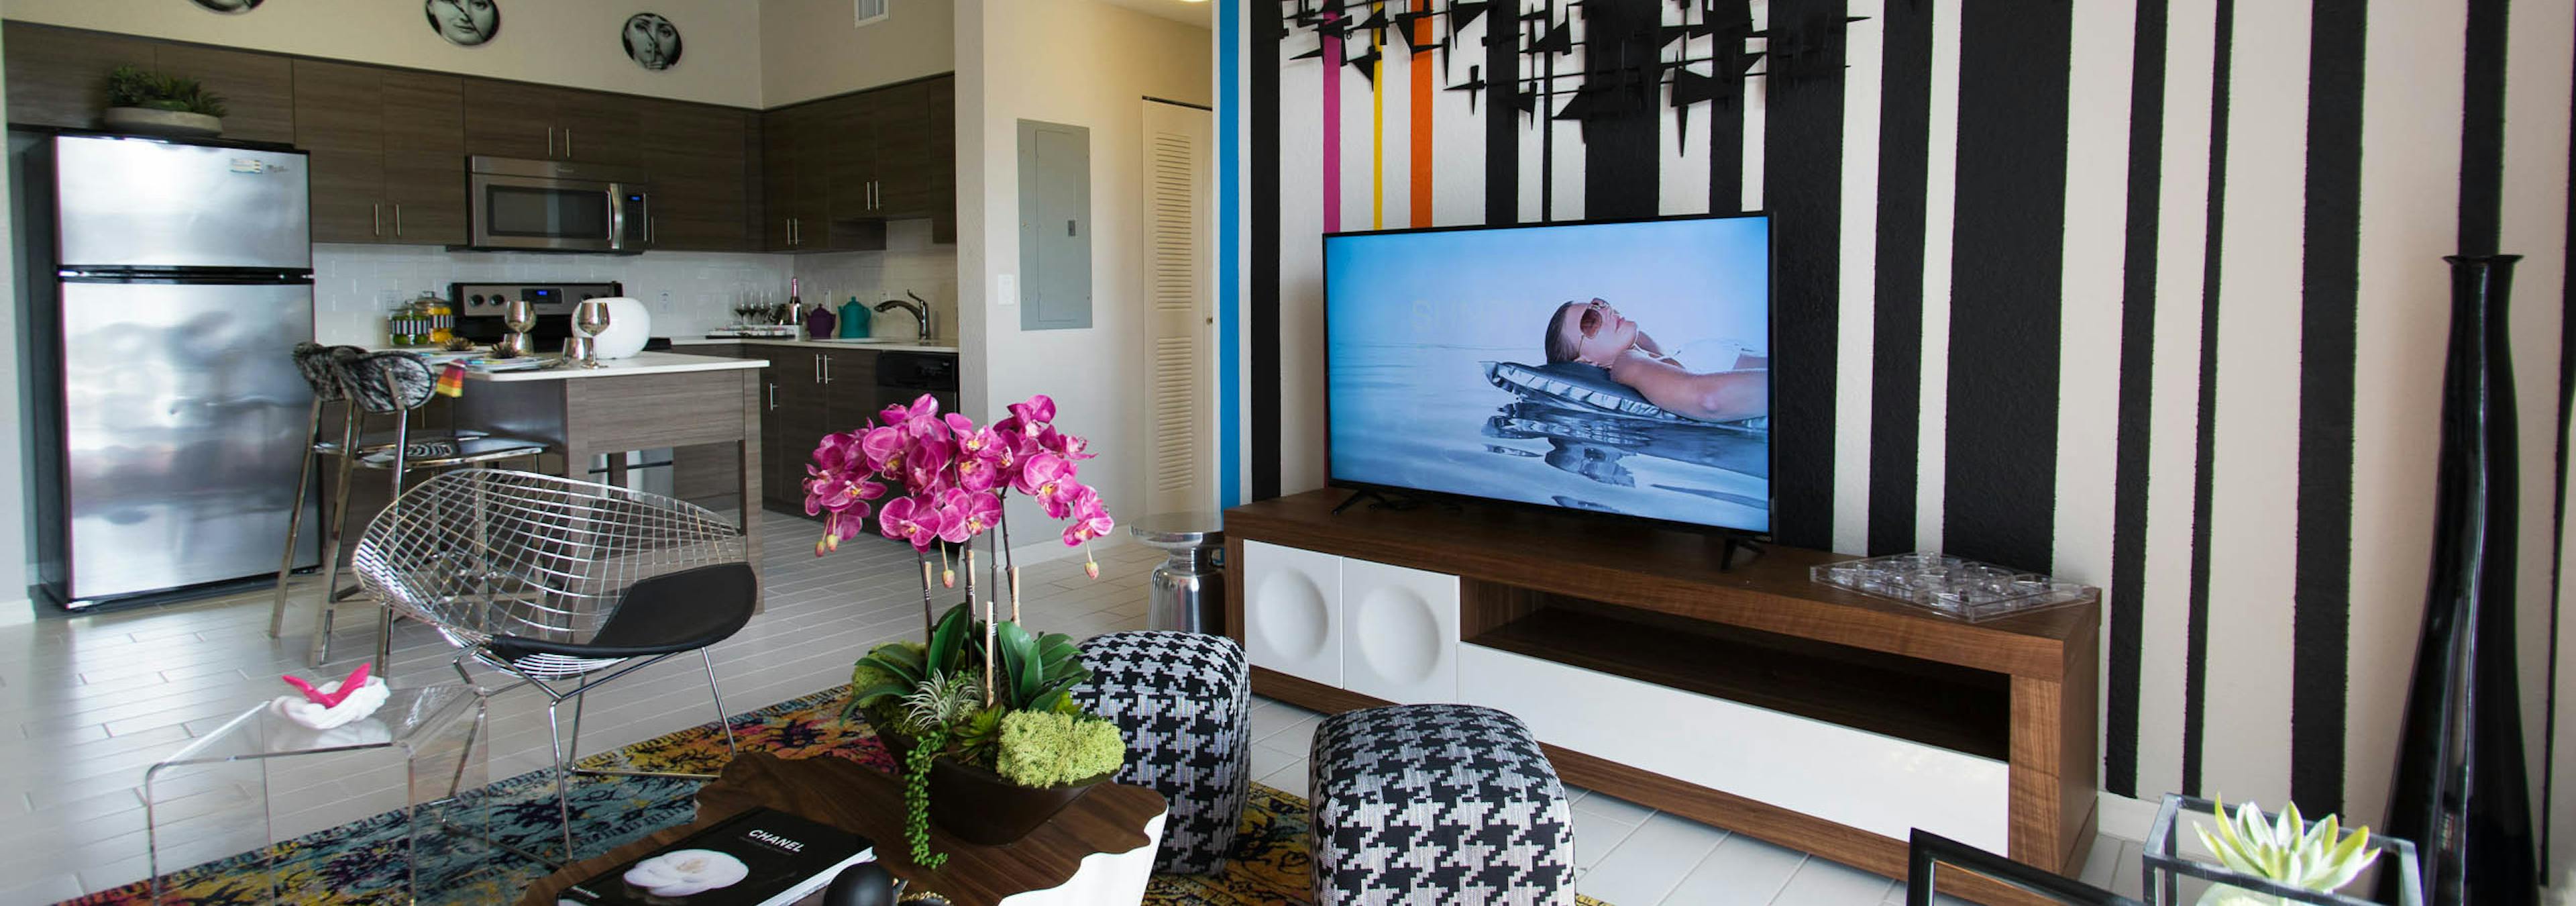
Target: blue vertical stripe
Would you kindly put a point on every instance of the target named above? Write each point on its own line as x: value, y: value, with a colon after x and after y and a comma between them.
x: 1229, y: 256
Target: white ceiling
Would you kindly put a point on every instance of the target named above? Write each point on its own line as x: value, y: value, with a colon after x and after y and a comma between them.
x: 1175, y: 10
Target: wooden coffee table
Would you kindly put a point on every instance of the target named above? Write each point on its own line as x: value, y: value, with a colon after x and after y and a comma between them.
x: 1116, y: 827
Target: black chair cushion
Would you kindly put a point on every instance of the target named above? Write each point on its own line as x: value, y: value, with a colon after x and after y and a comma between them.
x: 672, y: 612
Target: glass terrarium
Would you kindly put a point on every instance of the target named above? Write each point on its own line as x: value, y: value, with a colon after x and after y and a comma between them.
x: 2175, y: 877
x: 1955, y: 586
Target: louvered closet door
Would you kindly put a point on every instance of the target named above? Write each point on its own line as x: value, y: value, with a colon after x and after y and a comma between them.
x: 1180, y: 281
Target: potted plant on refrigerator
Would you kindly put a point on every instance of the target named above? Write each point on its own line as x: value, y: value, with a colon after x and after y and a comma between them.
x: 980, y: 712
x: 155, y: 103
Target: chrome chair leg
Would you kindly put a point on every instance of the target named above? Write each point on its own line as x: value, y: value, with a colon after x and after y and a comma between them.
x: 295, y: 521
x: 563, y: 776
x: 327, y: 600
x: 722, y: 720
x: 577, y: 699
x: 401, y: 465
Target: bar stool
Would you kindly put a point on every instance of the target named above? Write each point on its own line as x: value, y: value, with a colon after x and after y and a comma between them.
x: 393, y: 383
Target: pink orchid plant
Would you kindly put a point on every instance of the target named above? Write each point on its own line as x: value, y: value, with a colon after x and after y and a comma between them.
x: 952, y: 476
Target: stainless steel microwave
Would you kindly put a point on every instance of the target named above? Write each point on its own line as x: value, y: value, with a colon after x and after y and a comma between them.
x: 559, y: 206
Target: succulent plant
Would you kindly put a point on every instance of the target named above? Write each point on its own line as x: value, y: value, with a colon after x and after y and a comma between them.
x: 2284, y: 850
x: 132, y: 86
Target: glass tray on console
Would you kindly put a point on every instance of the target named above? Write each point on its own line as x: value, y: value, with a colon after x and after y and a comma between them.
x: 1952, y: 586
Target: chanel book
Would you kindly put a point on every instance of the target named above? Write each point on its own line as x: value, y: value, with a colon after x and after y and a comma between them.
x: 762, y: 857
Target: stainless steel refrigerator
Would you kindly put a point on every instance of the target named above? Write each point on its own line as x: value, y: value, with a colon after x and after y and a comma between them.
x: 171, y: 420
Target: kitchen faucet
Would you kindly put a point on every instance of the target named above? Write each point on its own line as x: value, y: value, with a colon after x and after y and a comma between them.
x: 919, y: 307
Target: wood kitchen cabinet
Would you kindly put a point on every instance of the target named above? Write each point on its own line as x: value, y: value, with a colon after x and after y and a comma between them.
x: 701, y: 175
x: 794, y: 183
x: 835, y: 170
x: 389, y: 145
x: 819, y: 392
x: 387, y: 152
x: 58, y: 77
x: 916, y: 153
x: 515, y: 119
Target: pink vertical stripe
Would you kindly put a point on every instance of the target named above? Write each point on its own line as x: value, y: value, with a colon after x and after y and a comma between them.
x: 1332, y: 128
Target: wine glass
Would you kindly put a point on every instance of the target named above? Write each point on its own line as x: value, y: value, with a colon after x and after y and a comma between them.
x: 590, y: 319
x: 520, y: 316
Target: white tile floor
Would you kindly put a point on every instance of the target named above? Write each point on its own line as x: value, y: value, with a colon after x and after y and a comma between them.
x: 87, y: 702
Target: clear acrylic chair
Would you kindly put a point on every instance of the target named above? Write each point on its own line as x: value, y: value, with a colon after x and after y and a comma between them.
x: 559, y: 582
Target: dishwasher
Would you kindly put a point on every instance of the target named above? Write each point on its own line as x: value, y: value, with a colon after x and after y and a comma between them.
x: 904, y: 376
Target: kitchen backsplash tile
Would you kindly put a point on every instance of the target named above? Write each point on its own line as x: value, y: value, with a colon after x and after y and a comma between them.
x: 910, y: 264
x: 688, y: 292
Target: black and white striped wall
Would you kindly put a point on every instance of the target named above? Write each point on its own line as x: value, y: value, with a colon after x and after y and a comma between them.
x: 2148, y: 293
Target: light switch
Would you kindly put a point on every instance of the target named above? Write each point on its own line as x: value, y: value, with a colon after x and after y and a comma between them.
x: 1006, y: 289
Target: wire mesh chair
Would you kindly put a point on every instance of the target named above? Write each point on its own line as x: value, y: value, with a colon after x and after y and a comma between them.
x: 554, y: 581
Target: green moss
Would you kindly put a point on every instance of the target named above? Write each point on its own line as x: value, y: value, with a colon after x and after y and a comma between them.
x: 1048, y: 749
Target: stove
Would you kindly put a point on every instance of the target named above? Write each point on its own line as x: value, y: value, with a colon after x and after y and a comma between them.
x: 479, y: 307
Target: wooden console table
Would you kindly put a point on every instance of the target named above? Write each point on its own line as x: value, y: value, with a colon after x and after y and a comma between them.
x: 1749, y: 698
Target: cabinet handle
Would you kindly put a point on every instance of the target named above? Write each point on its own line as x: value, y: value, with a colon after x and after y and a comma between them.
x: 827, y: 368
x: 567, y: 142
x: 550, y: 141
x: 876, y: 195
x: 376, y: 214
x: 652, y: 225
x: 773, y: 397
x: 397, y: 218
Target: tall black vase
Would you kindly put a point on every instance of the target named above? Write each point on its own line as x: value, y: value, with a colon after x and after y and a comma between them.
x: 2461, y: 787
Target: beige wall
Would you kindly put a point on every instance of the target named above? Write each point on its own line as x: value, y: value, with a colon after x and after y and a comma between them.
x: 572, y: 43
x: 814, y: 48
x: 1081, y: 63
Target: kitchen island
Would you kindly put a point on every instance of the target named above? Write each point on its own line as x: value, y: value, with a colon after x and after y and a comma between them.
x: 648, y: 401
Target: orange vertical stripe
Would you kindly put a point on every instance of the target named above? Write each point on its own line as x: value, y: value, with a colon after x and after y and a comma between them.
x: 1422, y: 67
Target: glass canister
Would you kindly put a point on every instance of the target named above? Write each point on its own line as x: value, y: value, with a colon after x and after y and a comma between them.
x: 439, y: 316
x: 405, y: 326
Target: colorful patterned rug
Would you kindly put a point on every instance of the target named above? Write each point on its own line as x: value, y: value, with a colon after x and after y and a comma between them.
x: 358, y: 863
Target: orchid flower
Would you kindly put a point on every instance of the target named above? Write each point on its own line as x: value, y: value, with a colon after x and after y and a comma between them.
x: 1040, y: 473
x: 927, y: 465
x: 977, y: 473
x: 980, y: 510
x: 909, y: 519
x: 884, y: 448
x: 952, y: 516
x: 1090, y: 518
x: 1034, y: 415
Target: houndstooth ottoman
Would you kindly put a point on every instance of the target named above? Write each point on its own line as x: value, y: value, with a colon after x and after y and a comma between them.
x: 1416, y: 805
x: 1183, y: 700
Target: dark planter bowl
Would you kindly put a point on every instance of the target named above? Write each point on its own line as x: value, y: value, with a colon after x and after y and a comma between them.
x: 980, y: 806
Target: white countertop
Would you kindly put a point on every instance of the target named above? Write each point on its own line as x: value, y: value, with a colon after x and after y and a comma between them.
x: 903, y: 345
x: 641, y: 363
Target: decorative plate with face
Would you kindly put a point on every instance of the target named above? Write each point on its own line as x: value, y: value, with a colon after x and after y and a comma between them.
x: 651, y: 41
x: 230, y: 6
x: 464, y: 23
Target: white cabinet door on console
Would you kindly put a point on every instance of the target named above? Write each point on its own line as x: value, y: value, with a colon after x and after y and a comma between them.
x: 1399, y: 633
x: 1292, y: 611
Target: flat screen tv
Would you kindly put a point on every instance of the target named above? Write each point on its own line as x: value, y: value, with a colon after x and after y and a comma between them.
x: 1610, y: 367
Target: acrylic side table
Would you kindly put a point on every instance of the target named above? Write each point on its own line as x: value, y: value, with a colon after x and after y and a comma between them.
x: 259, y: 779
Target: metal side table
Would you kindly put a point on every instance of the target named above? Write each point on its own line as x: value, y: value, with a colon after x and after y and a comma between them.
x: 259, y: 780
x: 1189, y: 588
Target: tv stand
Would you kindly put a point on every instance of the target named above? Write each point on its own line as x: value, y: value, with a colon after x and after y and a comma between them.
x: 1654, y: 668
x: 1381, y: 500
x: 1726, y: 552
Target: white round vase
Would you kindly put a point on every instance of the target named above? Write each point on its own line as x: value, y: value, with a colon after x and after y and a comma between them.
x: 629, y: 325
